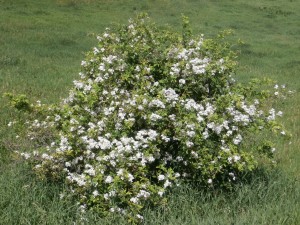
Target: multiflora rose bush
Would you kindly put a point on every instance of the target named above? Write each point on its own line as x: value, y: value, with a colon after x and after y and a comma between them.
x: 150, y: 110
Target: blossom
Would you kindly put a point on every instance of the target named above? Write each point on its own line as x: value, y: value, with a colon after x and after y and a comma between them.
x: 25, y: 155
x: 155, y: 117
x: 170, y: 94
x: 236, y: 158
x: 181, y: 81
x: 157, y: 103
x: 90, y: 170
x: 109, y: 179
x: 189, y: 144
x: 167, y: 184
x: 130, y: 177
x: 279, y: 113
x: 95, y: 193
x: 139, y: 216
x: 190, y: 133
x: 161, y: 177
x: 144, y: 194
x: 134, y: 200
x: 205, y: 134
x: 165, y: 138
x: 238, y: 139
x: 160, y: 193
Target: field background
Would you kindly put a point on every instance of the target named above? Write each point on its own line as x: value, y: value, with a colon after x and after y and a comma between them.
x: 41, y: 46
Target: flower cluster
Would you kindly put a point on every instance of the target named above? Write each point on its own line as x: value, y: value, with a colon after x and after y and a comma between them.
x: 149, y: 111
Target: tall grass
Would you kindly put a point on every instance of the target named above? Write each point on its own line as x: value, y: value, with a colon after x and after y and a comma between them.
x: 42, y: 44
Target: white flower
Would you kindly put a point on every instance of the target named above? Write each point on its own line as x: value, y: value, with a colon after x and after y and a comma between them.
x: 130, y: 177
x: 165, y: 138
x: 279, y: 113
x: 175, y: 71
x: 112, y: 193
x: 172, y: 117
x: 81, y: 182
x: 236, y: 158
x: 78, y: 84
x: 112, y: 209
x: 151, y: 159
x: 160, y: 193
x: 143, y: 193
x: 205, y: 134
x: 25, y: 155
x: 46, y: 156
x: 200, y: 118
x: 209, y: 181
x: 82, y: 208
x: 190, y: 133
x: 177, y: 175
x: 95, y: 193
x: 90, y: 170
x: 61, y: 195
x: 120, y: 172
x: 140, y: 107
x: 237, y: 139
x: 152, y: 135
x: 134, y: 200
x: 182, y: 81
x: 157, y: 103
x: 155, y: 117
x: 155, y: 84
x: 139, y: 217
x: 137, y: 69
x: 83, y: 63
x: 195, y: 154
x: 104, y: 143
x: 109, y: 180
x: 189, y: 144
x: 229, y: 133
x: 38, y: 166
x: 167, y: 183
x: 161, y: 177
x: 106, y: 196
x: 170, y: 94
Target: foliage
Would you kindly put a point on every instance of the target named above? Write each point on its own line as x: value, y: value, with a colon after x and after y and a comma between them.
x: 151, y: 109
x: 19, y: 102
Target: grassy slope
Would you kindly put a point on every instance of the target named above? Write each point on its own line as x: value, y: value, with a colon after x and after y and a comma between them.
x: 41, y: 45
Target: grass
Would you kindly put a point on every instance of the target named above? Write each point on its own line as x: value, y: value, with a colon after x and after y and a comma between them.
x: 271, y: 198
x: 42, y: 44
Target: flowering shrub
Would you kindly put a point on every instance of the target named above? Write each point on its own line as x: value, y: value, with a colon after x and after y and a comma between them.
x: 151, y: 109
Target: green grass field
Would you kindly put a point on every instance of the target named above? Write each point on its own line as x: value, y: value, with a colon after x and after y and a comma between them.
x: 41, y: 46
